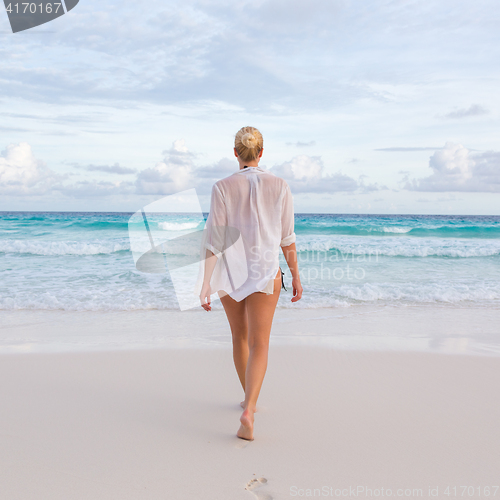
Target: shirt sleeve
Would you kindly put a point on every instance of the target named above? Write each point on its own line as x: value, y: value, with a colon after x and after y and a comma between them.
x: 287, y: 219
x: 216, y: 223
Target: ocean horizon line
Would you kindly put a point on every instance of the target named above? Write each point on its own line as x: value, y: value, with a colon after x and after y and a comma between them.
x: 360, y: 214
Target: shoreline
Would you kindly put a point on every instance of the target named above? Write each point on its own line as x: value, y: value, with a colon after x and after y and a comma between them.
x: 457, y: 330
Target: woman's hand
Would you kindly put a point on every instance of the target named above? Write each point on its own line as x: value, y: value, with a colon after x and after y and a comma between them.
x: 297, y: 289
x: 205, y: 296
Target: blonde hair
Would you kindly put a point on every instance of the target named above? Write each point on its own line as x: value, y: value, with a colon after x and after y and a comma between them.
x: 248, y: 143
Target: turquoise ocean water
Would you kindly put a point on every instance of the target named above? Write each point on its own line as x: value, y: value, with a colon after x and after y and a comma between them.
x: 82, y: 261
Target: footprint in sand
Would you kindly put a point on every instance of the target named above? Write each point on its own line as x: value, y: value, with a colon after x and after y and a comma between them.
x: 257, y: 487
x: 241, y: 443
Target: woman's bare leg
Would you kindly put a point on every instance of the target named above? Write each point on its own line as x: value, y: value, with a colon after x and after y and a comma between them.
x: 260, y: 312
x: 237, y: 316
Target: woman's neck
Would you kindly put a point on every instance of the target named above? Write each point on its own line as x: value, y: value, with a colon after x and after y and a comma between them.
x: 252, y: 163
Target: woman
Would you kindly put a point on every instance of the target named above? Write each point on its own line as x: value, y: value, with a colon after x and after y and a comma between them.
x: 256, y: 205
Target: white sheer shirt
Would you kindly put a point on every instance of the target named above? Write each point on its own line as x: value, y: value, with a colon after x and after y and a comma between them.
x: 255, y: 209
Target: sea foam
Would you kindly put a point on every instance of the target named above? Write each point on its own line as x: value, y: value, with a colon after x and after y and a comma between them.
x: 397, y: 247
x: 43, y: 247
x: 178, y: 226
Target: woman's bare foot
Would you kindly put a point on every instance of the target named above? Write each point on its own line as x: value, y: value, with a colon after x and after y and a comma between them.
x: 246, y: 428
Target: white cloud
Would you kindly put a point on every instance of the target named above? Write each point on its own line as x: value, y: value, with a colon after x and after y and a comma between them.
x: 306, y: 174
x: 455, y: 168
x: 173, y: 174
x: 178, y: 172
x: 473, y: 110
x: 110, y: 169
x: 221, y: 169
x: 22, y: 174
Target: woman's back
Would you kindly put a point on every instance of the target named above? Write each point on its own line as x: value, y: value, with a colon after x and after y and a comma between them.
x: 259, y: 205
x: 253, y: 199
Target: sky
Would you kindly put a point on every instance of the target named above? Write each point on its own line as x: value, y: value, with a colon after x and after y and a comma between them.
x: 388, y: 106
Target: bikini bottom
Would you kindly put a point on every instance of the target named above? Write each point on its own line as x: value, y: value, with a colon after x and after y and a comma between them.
x: 269, y: 289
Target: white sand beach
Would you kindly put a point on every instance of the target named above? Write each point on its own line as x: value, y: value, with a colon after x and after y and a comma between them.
x: 160, y: 424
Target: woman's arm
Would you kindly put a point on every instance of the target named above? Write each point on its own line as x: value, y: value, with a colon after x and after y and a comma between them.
x: 205, y: 293
x: 215, y: 237
x: 290, y: 253
x: 288, y: 242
